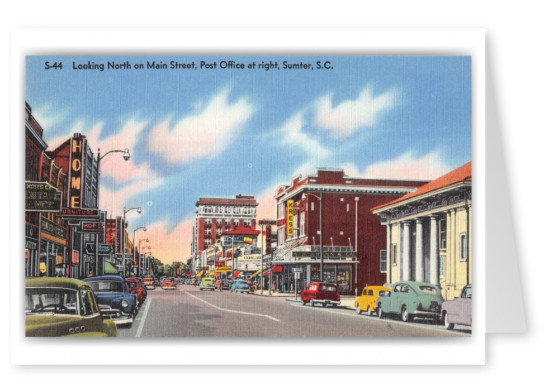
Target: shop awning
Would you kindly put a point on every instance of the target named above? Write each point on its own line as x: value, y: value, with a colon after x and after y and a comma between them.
x: 256, y: 273
x: 236, y: 273
x: 266, y: 273
x: 200, y: 274
x: 108, y: 268
x: 223, y: 269
x: 212, y: 273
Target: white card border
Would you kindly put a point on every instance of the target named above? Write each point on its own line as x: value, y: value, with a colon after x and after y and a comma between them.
x: 346, y: 41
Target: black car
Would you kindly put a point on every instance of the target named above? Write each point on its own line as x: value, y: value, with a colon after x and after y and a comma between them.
x: 226, y: 284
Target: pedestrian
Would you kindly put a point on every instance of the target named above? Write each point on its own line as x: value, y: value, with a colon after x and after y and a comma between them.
x: 218, y: 285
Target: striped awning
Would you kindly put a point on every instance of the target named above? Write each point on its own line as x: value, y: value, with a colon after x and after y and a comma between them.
x: 256, y: 273
x: 223, y: 269
x: 200, y: 273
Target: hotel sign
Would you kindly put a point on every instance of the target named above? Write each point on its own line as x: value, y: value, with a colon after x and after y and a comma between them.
x: 290, y: 217
x: 42, y: 197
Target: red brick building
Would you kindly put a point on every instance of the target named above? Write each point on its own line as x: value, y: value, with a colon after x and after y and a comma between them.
x: 352, y: 238
x: 215, y: 216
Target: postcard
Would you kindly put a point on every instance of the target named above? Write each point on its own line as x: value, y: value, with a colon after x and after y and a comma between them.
x: 210, y: 198
x: 238, y: 196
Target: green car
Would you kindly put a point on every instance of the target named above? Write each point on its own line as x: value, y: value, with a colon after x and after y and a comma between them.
x: 63, y: 307
x: 411, y: 299
x: 207, y: 283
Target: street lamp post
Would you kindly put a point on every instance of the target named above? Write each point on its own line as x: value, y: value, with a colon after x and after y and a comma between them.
x: 134, y: 245
x: 321, y: 230
x: 139, y: 210
x: 140, y: 249
x: 126, y: 157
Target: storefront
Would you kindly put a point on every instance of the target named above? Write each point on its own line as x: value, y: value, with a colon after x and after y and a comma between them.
x: 339, y: 267
x: 53, y: 250
x: 31, y: 250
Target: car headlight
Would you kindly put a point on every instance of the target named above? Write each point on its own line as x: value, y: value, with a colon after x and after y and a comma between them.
x: 124, y: 304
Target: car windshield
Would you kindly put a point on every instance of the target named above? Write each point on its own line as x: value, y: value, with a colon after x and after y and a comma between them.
x: 100, y: 286
x: 50, y: 301
x: 167, y: 280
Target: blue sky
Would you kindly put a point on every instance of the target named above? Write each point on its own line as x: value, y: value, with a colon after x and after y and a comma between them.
x: 219, y: 132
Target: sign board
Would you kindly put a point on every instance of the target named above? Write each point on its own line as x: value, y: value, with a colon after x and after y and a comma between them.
x: 235, y: 240
x: 297, y: 270
x: 267, y: 222
x: 42, y: 197
x: 79, y: 213
x: 92, y: 227
x: 103, y: 249
x: 290, y: 218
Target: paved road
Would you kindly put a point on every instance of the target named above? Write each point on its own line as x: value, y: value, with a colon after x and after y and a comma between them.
x: 189, y: 312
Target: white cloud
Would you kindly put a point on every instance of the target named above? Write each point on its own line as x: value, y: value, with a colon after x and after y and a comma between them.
x: 169, y: 245
x: 205, y: 134
x: 348, y: 116
x: 406, y: 166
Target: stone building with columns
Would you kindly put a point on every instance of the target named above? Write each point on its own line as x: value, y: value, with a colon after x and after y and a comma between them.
x: 429, y: 233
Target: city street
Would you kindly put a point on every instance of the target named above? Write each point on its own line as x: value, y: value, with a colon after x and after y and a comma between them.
x: 189, y: 312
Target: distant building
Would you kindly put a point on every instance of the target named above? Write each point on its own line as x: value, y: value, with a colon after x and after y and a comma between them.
x: 429, y: 233
x: 351, y: 237
x: 215, y: 216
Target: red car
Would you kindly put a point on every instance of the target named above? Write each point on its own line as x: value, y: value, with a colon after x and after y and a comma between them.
x: 168, y: 283
x: 134, y: 286
x: 323, y: 293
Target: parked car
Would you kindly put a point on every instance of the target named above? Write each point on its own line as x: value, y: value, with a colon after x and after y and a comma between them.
x: 149, y: 282
x: 135, y: 287
x: 323, y: 293
x: 458, y: 311
x: 63, y: 307
x: 207, y: 283
x: 367, y: 301
x: 115, y: 300
x: 168, y: 283
x: 411, y: 299
x: 240, y: 286
x: 226, y: 284
x: 140, y: 279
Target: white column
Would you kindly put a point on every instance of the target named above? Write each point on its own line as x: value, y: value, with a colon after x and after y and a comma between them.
x: 419, y: 269
x: 433, y: 250
x: 388, y: 248
x: 406, y: 261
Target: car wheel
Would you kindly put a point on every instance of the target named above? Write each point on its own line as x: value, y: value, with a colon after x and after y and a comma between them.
x: 380, y: 312
x: 303, y: 302
x: 406, y: 316
x: 447, y: 324
x: 312, y: 302
x: 324, y: 304
x: 369, y: 312
x: 358, y: 310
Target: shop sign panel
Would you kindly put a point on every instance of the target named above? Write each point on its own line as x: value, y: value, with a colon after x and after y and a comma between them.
x: 42, y: 197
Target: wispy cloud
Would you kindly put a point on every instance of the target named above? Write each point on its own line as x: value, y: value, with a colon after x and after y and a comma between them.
x: 347, y: 117
x: 405, y: 166
x: 205, y: 134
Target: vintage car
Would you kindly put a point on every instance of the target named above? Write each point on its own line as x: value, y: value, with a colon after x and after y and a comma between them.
x: 458, y: 311
x: 367, y: 302
x: 115, y: 300
x: 140, y: 279
x: 135, y: 287
x: 411, y: 299
x: 149, y: 282
x: 323, y: 293
x: 63, y: 307
x: 240, y: 286
x: 207, y: 283
x: 168, y: 283
x: 226, y: 284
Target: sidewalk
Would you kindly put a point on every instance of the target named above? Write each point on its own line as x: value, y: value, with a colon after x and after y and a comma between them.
x: 346, y: 301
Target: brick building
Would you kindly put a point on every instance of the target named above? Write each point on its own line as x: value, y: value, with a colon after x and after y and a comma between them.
x: 351, y: 241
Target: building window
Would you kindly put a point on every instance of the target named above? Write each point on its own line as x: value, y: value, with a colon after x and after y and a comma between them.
x: 463, y: 247
x: 218, y: 232
x: 442, y: 234
x: 394, y: 254
x: 442, y: 262
x: 218, y: 221
x: 302, y: 223
x: 348, y: 207
x: 280, y: 210
x: 312, y: 206
x: 280, y: 236
x: 383, y: 261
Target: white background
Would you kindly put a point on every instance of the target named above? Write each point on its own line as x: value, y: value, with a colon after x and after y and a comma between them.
x: 517, y: 52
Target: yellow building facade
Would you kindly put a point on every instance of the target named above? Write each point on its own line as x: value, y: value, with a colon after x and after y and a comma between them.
x: 429, y: 233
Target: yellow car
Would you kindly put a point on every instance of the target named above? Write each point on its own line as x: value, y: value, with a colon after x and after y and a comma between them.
x: 367, y: 302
